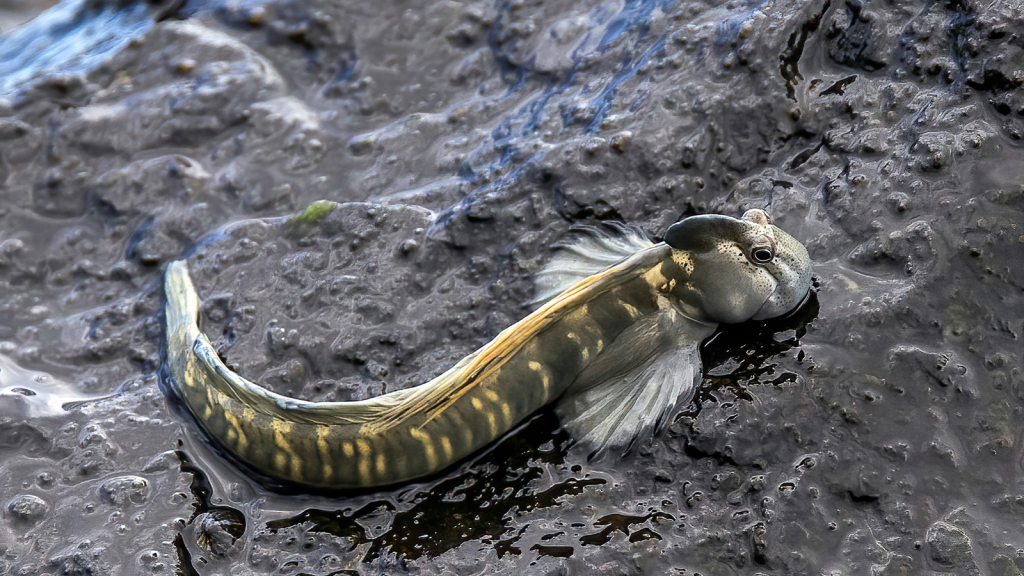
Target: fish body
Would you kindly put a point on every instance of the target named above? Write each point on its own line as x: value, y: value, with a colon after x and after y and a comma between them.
x: 614, y: 343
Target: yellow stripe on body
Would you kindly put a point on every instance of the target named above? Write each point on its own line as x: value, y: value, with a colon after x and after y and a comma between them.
x: 208, y: 408
x: 545, y: 378
x: 322, y: 432
x: 492, y: 422
x: 363, y: 448
x: 446, y: 445
x: 428, y: 446
x: 281, y: 431
x: 584, y: 352
x: 633, y: 311
x: 506, y: 410
x: 456, y: 423
x: 236, y: 427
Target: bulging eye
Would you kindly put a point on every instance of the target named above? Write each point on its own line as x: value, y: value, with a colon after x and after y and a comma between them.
x: 762, y: 255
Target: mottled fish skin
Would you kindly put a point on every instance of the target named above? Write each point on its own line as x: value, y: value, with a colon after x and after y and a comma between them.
x: 413, y: 433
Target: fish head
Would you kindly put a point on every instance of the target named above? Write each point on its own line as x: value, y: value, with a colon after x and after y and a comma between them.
x: 734, y: 270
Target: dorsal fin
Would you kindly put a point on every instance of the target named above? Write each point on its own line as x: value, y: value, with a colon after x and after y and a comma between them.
x: 432, y: 398
x: 591, y: 250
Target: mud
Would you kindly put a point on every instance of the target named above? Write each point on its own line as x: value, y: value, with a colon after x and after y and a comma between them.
x: 16, y: 12
x: 878, y: 431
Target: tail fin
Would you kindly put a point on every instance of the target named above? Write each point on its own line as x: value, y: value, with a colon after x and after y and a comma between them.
x: 195, y: 365
x: 181, y: 312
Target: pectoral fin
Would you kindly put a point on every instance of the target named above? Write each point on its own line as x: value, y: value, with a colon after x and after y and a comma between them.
x: 631, y: 389
x: 616, y: 414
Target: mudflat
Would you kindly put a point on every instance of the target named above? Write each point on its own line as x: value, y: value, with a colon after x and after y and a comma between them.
x: 880, y: 430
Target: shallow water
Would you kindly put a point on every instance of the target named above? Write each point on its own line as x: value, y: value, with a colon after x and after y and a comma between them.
x: 879, y: 431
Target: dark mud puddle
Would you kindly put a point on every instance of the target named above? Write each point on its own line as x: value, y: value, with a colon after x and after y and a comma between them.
x: 880, y: 431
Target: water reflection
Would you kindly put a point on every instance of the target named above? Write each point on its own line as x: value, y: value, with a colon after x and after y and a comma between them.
x: 740, y: 355
x: 72, y: 38
x: 474, y: 505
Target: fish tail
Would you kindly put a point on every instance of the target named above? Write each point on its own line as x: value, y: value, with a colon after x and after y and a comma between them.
x: 181, y: 313
x: 240, y: 416
x: 256, y: 425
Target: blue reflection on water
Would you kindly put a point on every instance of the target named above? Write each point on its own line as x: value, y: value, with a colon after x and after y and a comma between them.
x: 70, y: 38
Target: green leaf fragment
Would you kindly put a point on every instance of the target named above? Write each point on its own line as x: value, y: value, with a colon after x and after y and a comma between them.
x: 313, y: 213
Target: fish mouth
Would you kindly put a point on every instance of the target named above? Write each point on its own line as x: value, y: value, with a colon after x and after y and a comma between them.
x: 793, y: 310
x: 758, y: 315
x: 798, y: 309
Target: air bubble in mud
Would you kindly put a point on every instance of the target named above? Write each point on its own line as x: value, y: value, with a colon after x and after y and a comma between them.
x: 217, y: 531
x: 123, y: 489
x: 27, y: 508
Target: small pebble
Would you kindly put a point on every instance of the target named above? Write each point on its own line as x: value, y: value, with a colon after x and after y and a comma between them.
x: 621, y: 141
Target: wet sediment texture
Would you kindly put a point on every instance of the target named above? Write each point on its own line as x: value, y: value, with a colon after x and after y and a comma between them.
x: 885, y: 436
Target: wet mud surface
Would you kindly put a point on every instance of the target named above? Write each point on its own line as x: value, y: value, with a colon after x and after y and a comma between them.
x: 878, y: 431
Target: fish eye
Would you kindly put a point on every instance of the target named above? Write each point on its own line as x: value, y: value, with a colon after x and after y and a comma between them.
x: 762, y: 255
